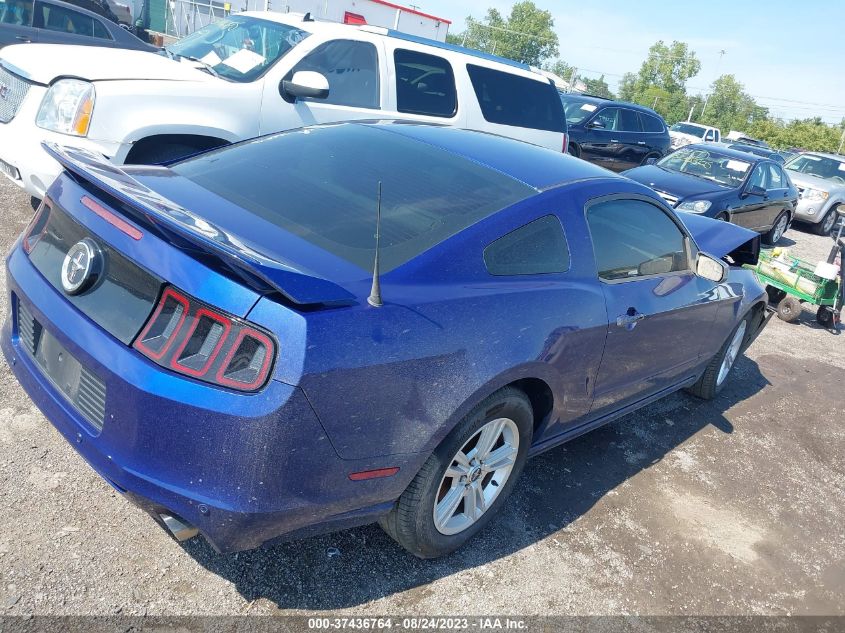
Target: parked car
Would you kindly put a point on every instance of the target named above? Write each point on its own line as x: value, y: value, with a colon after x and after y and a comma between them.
x: 686, y: 132
x: 757, y: 150
x: 234, y: 365
x: 741, y: 137
x: 254, y: 73
x: 726, y: 184
x: 53, y: 22
x: 820, y: 179
x: 613, y: 134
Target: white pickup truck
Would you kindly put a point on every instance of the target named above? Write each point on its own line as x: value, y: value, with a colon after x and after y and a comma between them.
x: 685, y: 132
x: 252, y: 74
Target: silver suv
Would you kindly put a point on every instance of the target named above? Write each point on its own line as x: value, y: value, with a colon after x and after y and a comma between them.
x: 820, y: 179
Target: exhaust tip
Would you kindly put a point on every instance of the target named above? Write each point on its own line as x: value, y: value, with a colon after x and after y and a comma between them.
x: 180, y: 530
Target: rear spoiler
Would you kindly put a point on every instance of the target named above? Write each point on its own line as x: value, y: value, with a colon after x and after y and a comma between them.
x: 723, y: 239
x: 295, y: 283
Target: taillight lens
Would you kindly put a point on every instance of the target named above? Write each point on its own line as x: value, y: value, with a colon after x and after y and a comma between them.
x: 194, y: 339
x: 565, y: 143
x: 36, y: 228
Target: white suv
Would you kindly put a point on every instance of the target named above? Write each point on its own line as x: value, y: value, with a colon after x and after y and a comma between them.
x: 247, y: 75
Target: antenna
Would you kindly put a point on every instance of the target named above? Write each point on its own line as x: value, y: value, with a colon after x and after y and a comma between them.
x: 375, y: 292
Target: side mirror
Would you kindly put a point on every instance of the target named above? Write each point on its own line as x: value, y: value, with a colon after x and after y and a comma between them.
x: 755, y: 190
x: 305, y: 83
x: 711, y: 268
x: 596, y: 124
x: 651, y: 160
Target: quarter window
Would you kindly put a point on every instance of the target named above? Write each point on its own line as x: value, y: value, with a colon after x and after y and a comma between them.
x: 17, y: 12
x: 509, y: 99
x: 632, y: 238
x: 425, y: 84
x: 100, y: 31
x: 538, y: 247
x: 351, y: 68
x: 651, y: 123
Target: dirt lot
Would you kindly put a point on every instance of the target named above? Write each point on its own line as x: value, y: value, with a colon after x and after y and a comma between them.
x: 736, y: 506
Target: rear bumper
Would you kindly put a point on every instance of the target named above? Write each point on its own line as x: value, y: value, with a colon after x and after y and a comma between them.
x: 242, y: 469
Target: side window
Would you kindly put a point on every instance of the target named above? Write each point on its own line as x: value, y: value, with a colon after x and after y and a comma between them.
x: 425, y: 84
x: 609, y: 117
x: 536, y: 248
x: 628, y: 121
x: 101, y: 31
x: 758, y: 177
x: 509, y: 99
x: 651, y: 123
x: 55, y: 18
x: 351, y: 68
x: 17, y: 12
x: 776, y: 180
x: 632, y: 238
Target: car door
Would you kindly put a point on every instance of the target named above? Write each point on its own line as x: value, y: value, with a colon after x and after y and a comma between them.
x: 16, y: 22
x: 60, y: 25
x: 778, y: 188
x: 633, y: 146
x: 600, y: 145
x: 659, y: 311
x: 352, y: 69
x: 750, y: 209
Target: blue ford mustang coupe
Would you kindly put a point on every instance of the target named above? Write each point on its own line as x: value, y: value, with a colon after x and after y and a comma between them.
x: 216, y: 338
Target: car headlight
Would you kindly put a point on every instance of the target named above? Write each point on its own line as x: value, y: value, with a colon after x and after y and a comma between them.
x: 67, y: 107
x: 815, y: 195
x: 695, y: 206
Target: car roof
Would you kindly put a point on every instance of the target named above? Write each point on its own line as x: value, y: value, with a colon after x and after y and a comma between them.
x: 535, y: 166
x: 839, y: 157
x: 728, y: 150
x: 320, y: 26
x: 604, y: 100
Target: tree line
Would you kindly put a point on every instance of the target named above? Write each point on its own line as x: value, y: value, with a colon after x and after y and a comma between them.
x: 527, y: 35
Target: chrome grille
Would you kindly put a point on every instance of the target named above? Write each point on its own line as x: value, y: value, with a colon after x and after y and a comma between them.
x: 13, y: 91
x: 668, y: 197
x: 90, y: 397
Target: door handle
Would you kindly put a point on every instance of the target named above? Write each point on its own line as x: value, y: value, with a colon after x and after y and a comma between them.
x: 613, y: 140
x: 641, y: 142
x: 630, y: 319
x: 23, y: 38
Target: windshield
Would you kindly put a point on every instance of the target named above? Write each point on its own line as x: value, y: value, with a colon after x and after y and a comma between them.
x: 576, y: 109
x: 686, y: 128
x: 820, y: 166
x: 239, y: 48
x: 707, y: 164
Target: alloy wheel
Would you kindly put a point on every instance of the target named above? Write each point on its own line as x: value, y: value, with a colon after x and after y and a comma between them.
x: 780, y: 229
x: 731, y: 353
x: 475, y: 476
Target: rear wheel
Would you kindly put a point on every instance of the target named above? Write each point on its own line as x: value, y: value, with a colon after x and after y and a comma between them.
x: 789, y: 309
x: 574, y: 151
x: 825, y: 317
x: 716, y: 375
x: 650, y: 156
x: 774, y: 234
x: 466, y: 480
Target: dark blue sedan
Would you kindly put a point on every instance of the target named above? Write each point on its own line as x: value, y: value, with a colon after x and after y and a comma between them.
x: 216, y: 338
x: 727, y: 184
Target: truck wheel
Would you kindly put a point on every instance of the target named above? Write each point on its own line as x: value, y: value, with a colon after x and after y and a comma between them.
x: 789, y: 309
x: 157, y: 154
x: 824, y: 316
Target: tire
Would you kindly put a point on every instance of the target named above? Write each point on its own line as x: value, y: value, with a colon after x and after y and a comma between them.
x: 789, y: 309
x: 712, y: 381
x: 722, y: 218
x: 773, y: 235
x: 574, y: 151
x: 776, y: 295
x: 157, y: 154
x: 825, y: 225
x: 652, y: 155
x: 411, y: 522
x: 825, y: 317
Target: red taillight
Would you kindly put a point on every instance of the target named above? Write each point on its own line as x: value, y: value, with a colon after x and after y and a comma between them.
x: 194, y: 339
x: 35, y: 230
x: 565, y: 143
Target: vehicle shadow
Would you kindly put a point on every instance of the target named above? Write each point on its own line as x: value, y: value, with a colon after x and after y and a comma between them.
x: 356, y: 566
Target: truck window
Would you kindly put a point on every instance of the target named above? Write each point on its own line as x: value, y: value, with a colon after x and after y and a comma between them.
x: 351, y: 68
x: 425, y: 84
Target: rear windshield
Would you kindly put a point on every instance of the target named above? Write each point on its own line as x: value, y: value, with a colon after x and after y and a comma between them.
x: 509, y: 99
x: 321, y: 183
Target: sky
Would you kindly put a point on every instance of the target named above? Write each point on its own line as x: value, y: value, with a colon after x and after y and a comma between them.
x: 790, y: 55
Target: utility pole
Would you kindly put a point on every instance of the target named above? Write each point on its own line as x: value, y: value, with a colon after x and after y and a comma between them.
x: 572, y: 79
x: 707, y: 98
x: 841, y: 141
x: 689, y: 116
x: 654, y: 105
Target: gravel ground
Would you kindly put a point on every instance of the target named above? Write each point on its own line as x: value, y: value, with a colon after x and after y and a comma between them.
x: 735, y: 506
